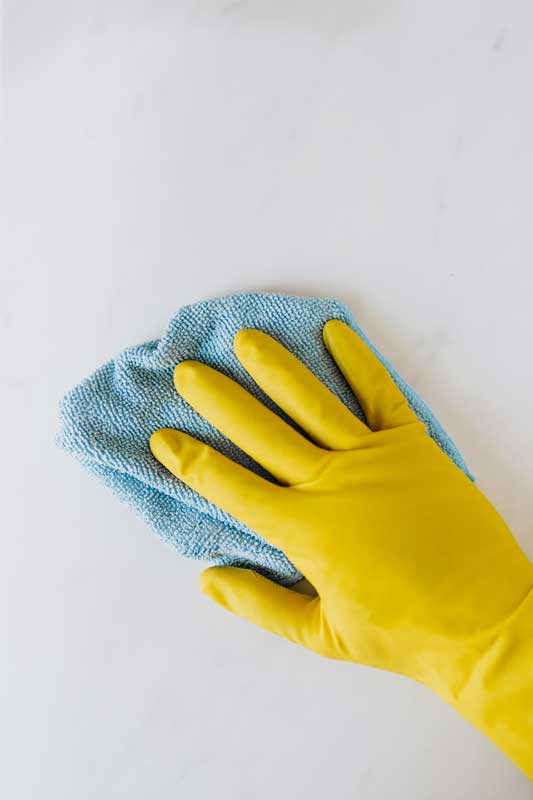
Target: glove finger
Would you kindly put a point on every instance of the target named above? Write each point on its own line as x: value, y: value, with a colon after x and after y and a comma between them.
x: 257, y: 430
x: 382, y: 401
x: 279, y: 610
x: 256, y: 502
x: 297, y: 391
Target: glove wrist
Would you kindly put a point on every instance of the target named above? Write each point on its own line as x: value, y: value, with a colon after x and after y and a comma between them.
x: 491, y: 685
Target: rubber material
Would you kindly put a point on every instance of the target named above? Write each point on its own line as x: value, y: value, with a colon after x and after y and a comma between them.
x: 413, y: 568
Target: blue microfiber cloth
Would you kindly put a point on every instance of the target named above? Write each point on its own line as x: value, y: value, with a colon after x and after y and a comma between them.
x: 106, y: 421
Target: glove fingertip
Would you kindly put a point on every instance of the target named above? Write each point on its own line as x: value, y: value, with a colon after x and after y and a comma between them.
x: 213, y: 583
x: 206, y: 579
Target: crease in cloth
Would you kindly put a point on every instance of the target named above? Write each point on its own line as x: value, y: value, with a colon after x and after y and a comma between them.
x: 106, y: 421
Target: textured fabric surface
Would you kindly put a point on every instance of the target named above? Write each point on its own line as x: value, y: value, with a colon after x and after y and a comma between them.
x: 106, y: 421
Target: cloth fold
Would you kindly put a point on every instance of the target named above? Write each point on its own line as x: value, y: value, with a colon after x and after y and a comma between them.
x: 106, y: 421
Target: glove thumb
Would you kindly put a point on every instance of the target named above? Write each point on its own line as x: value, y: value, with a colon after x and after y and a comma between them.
x: 279, y: 610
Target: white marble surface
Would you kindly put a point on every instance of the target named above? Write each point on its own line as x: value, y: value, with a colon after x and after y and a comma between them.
x: 161, y: 152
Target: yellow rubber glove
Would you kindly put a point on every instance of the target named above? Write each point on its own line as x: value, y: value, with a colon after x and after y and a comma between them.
x: 414, y: 570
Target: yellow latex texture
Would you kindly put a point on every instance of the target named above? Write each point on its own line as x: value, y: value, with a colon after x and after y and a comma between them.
x: 413, y: 569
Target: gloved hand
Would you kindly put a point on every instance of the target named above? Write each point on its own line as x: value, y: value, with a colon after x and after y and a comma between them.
x: 414, y: 570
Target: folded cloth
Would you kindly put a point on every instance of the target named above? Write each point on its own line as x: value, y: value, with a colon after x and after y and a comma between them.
x: 106, y: 421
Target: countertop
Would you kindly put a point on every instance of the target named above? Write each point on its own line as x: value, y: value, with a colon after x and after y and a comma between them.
x: 162, y: 152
